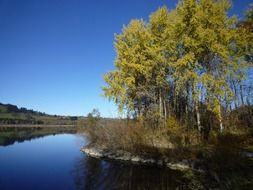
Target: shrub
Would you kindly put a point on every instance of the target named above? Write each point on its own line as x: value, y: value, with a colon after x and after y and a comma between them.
x: 133, y: 136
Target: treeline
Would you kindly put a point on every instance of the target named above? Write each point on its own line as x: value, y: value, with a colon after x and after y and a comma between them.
x: 193, y: 63
x: 20, y: 121
x: 9, y: 108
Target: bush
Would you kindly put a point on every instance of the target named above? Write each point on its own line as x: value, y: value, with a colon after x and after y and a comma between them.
x: 133, y: 137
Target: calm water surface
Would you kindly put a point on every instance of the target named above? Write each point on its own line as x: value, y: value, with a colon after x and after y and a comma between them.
x: 55, y: 162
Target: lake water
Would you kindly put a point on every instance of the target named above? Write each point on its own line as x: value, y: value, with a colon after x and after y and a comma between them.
x: 55, y: 162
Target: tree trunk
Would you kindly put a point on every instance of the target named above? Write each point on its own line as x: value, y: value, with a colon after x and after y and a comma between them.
x: 241, y: 94
x: 198, y: 117
x: 220, y: 120
x: 248, y: 96
x: 186, y: 114
x: 160, y: 104
x: 226, y: 103
x: 186, y: 105
x: 235, y: 91
x: 221, y: 125
x: 165, y: 109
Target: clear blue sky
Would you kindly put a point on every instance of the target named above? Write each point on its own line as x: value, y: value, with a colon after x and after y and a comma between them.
x: 53, y: 53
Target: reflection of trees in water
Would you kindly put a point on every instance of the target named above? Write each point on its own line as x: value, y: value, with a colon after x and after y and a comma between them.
x: 10, y: 135
x: 86, y: 173
x: 90, y: 173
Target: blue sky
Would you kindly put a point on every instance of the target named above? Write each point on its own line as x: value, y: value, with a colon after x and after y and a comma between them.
x: 53, y: 53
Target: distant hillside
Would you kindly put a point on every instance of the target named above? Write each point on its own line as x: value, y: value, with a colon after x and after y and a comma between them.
x: 11, y: 114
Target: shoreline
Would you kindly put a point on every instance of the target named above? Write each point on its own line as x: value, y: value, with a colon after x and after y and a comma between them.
x: 124, y: 156
x: 127, y: 157
x: 36, y: 126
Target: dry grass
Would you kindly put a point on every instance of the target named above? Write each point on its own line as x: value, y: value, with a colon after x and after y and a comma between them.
x: 133, y: 137
x: 172, y: 140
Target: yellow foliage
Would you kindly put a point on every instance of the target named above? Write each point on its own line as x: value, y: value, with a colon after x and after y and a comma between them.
x: 196, y: 46
x: 172, y: 123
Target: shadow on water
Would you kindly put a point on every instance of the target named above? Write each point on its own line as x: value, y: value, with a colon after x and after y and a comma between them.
x: 91, y: 173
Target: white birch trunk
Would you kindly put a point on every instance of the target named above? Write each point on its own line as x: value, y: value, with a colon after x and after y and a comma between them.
x: 198, y: 117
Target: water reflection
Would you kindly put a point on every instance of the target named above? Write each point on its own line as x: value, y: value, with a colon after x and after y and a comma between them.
x: 9, y: 135
x: 91, y: 173
x: 42, y: 164
x: 58, y: 163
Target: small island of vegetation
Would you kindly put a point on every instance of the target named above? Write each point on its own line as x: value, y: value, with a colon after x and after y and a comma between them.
x: 182, y: 83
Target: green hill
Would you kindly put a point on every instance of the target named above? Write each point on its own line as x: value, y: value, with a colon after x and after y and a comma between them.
x: 11, y: 114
